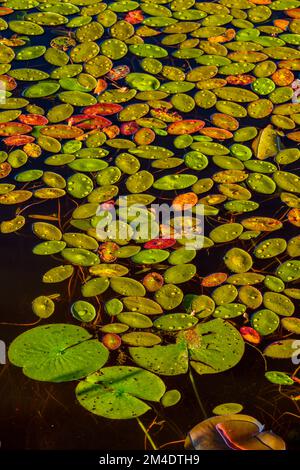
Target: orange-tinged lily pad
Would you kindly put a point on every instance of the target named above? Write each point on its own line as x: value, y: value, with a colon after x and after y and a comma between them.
x: 33, y: 119
x: 224, y: 121
x: 5, y: 11
x: 293, y: 13
x: 213, y: 280
x: 240, y: 79
x: 107, y: 252
x: 186, y: 199
x: 294, y: 217
x: 295, y: 136
x: 103, y: 109
x: 282, y: 24
x: 216, y: 133
x: 187, y: 126
x: 250, y: 334
x: 144, y: 136
x: 61, y: 131
x: 10, y: 82
x: 283, y: 77
x: 18, y: 140
x: 97, y: 122
x: 5, y: 169
x: 153, y: 281
x: 264, y: 224
x: 14, y: 128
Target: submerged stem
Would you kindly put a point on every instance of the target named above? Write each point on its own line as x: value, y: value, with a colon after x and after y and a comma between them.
x: 197, y: 395
x: 146, y: 434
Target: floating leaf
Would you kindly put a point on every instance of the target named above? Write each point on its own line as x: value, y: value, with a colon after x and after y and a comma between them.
x: 38, y: 349
x: 118, y: 392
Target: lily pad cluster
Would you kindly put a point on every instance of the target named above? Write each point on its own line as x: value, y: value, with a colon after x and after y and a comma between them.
x: 172, y: 102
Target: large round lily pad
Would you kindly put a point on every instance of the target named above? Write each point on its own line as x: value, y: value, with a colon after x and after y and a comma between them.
x: 118, y: 392
x: 57, y: 353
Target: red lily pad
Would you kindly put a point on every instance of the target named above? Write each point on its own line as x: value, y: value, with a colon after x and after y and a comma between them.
x: 18, y: 140
x: 5, y: 11
x: 187, y: 126
x: 250, y: 334
x: 33, y: 119
x: 160, y: 243
x: 129, y: 128
x: 104, y: 109
x: 111, y: 341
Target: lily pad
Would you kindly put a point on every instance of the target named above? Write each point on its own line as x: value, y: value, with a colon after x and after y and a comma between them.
x: 37, y: 350
x: 118, y: 392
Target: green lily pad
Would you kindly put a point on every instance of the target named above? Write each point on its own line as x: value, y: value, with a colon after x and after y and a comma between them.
x: 43, y: 306
x: 95, y: 287
x: 83, y: 311
x: 113, y: 307
x: 227, y: 409
x: 280, y: 378
x: 226, y: 232
x: 203, y: 306
x: 118, y: 392
x: 293, y: 247
x: 171, y: 182
x: 283, y: 349
x: 278, y: 303
x: 273, y: 283
x: 180, y: 273
x: 270, y: 248
x: 80, y: 256
x: 289, y: 271
x: 224, y: 294
x: 238, y: 260
x: 46, y: 231
x: 164, y: 360
x: 250, y: 296
x: 37, y: 351
x: 134, y: 319
x: 49, y: 247
x: 265, y: 322
x: 142, y: 305
x: 230, y: 310
x: 207, y: 357
x: 245, y: 279
x: 79, y: 185
x: 171, y: 398
x: 169, y: 296
x: 127, y: 286
x: 175, y: 322
x: 291, y: 324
